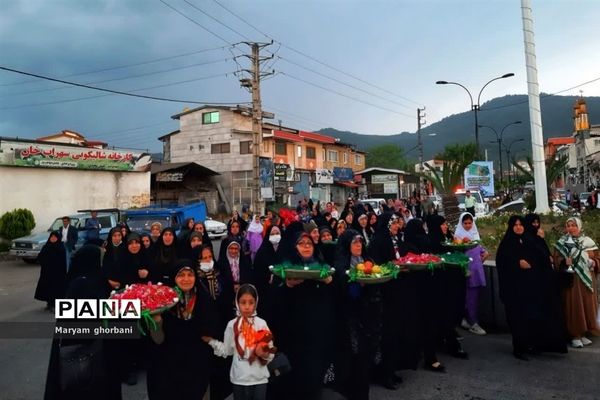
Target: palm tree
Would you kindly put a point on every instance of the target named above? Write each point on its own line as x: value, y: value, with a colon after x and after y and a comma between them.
x: 455, y: 159
x: 554, y: 169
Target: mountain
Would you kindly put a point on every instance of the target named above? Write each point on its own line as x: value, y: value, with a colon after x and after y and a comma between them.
x: 557, y: 121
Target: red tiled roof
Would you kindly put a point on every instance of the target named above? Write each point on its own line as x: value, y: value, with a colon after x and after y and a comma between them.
x: 317, y: 137
x: 287, y: 136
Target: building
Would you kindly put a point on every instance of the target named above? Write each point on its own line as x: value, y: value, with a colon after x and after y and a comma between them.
x: 294, y: 164
x: 587, y: 147
x: 551, y: 151
x: 386, y: 183
x: 59, y: 174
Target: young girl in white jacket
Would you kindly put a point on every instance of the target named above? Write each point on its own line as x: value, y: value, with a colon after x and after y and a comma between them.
x: 247, y: 338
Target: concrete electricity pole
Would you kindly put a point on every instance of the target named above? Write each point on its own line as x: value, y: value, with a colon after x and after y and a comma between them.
x: 420, y: 123
x: 253, y: 84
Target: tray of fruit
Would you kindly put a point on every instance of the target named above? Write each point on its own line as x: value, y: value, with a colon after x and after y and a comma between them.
x: 419, y: 262
x: 369, y: 273
x: 457, y: 259
x: 461, y: 244
x: 310, y: 271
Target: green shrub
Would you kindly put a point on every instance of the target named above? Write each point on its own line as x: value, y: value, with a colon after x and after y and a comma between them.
x: 16, y: 223
x: 4, y: 247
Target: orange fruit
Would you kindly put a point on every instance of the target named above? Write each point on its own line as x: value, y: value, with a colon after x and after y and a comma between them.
x: 377, y: 269
x: 360, y: 267
x: 368, y: 270
x: 368, y: 264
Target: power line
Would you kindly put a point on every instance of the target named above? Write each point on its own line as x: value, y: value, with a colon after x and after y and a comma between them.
x: 216, y: 20
x: 114, y: 91
x: 127, y: 77
x: 346, y: 96
x: 344, y: 83
x: 542, y: 96
x: 314, y: 59
x: 123, y: 66
x: 195, y: 22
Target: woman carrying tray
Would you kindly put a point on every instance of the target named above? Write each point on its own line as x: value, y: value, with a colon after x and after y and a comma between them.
x: 467, y: 229
x: 453, y: 286
x: 180, y: 362
x: 303, y: 321
x: 399, y: 338
x: 360, y: 320
x: 428, y: 284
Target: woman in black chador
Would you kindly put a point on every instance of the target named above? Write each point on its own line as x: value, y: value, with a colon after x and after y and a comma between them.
x: 303, y: 322
x: 362, y: 319
x: 452, y: 290
x: 399, y: 340
x: 551, y: 335
x: 53, y: 271
x: 164, y: 257
x: 519, y: 289
x: 180, y: 364
x: 268, y: 254
x: 429, y: 298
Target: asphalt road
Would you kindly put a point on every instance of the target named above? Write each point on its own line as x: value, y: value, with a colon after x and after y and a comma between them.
x: 491, y: 373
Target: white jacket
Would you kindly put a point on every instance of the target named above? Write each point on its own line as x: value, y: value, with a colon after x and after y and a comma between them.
x: 242, y: 372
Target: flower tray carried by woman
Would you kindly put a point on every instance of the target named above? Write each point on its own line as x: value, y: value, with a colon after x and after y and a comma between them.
x: 419, y: 262
x: 311, y: 271
x: 461, y: 244
x: 458, y: 260
x: 154, y: 299
x: 369, y: 273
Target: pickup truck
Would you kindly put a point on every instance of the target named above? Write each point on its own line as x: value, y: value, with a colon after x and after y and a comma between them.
x: 28, y: 247
x: 140, y: 220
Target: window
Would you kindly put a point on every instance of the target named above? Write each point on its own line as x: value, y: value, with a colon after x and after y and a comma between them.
x: 299, y: 151
x: 281, y: 149
x: 246, y: 147
x: 311, y: 153
x: 332, y: 155
x: 345, y: 158
x: 241, y: 179
x: 596, y: 142
x: 357, y: 159
x: 266, y: 146
x: 323, y: 152
x: 219, y: 148
x: 210, y: 117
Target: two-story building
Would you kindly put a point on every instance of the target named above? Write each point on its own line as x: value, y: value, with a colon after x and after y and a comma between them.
x: 305, y: 164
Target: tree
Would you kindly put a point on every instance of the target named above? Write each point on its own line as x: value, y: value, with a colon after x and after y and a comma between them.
x: 388, y: 156
x: 554, y: 169
x: 16, y: 223
x: 455, y: 159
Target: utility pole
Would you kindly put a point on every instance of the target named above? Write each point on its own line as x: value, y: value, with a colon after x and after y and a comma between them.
x: 253, y: 84
x: 420, y: 123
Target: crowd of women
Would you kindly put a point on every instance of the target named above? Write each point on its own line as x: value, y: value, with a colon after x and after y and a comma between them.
x: 333, y: 333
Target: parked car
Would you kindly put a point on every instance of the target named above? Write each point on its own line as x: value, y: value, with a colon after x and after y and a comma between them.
x: 583, y: 196
x: 481, y: 205
x: 215, y: 229
x: 513, y: 207
x: 28, y: 247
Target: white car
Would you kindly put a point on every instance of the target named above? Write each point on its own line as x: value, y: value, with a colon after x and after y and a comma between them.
x: 374, y: 203
x: 215, y: 229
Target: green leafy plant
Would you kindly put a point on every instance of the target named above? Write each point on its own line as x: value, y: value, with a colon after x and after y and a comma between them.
x: 16, y: 223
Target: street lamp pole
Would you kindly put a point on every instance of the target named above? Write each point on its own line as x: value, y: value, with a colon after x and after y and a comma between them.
x: 508, y: 157
x: 475, y: 107
x: 499, y: 141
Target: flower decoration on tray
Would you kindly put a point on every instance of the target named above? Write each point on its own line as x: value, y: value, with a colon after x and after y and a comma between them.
x: 461, y: 244
x: 154, y: 298
x: 369, y: 273
x: 310, y: 271
x: 419, y: 262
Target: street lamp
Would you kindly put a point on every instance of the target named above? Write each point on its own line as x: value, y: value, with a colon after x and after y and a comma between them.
x: 475, y: 107
x: 499, y: 141
x: 508, y: 157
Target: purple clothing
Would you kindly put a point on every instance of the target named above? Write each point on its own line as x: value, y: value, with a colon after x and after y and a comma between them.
x: 472, y: 304
x: 477, y: 274
x: 255, y: 240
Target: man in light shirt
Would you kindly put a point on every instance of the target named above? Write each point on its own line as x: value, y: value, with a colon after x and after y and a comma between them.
x: 469, y: 203
x: 69, y: 237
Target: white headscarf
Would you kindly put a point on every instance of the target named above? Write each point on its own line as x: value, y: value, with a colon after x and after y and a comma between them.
x: 461, y: 233
x: 255, y: 227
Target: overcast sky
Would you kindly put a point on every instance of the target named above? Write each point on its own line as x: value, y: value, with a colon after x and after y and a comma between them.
x: 398, y: 49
